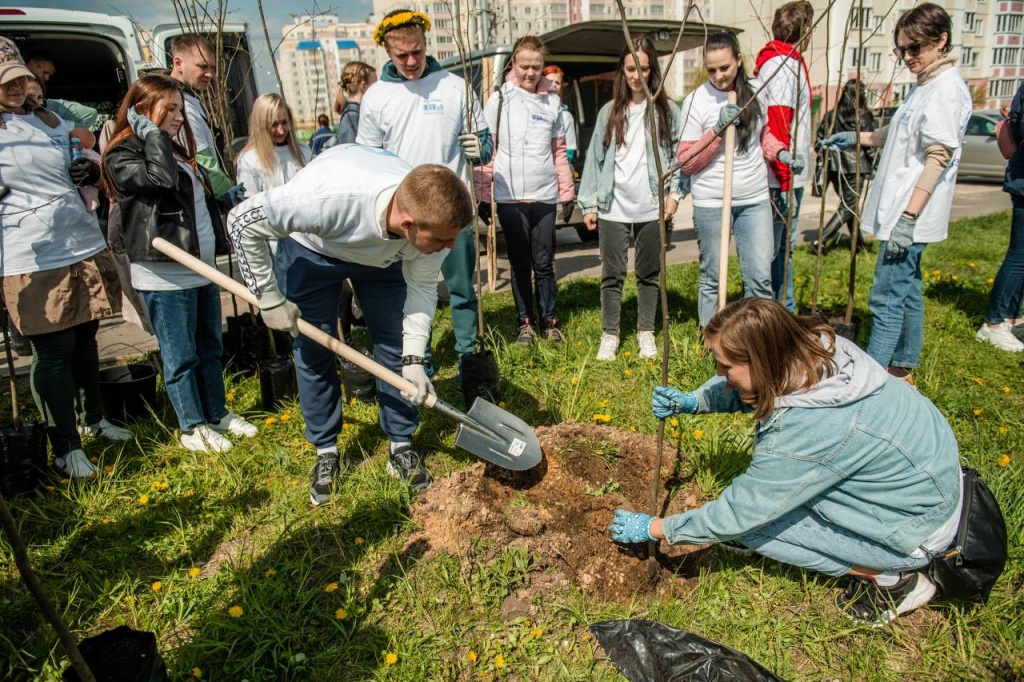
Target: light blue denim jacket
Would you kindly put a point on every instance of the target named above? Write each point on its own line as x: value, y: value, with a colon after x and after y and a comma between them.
x: 861, y: 449
x: 598, y: 181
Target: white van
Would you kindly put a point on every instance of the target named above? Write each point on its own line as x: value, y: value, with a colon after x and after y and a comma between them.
x: 99, y: 55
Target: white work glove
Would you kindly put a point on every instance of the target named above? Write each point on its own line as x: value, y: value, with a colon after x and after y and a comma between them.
x: 417, y: 374
x: 283, y: 317
x: 470, y: 146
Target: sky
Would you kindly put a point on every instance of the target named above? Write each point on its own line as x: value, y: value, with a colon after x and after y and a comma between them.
x: 278, y: 13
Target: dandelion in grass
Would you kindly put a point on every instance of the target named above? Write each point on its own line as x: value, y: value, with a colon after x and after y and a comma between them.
x: 106, y: 520
x: 977, y: 413
x: 94, y: 459
x: 157, y: 586
x: 108, y: 469
x: 352, y: 401
x: 573, y: 381
x: 632, y: 429
x: 129, y: 600
x: 698, y: 434
x: 970, y: 265
x: 344, y: 427
x: 990, y: 280
x: 285, y: 417
x: 390, y: 658
x: 187, y: 493
x: 587, y: 637
x: 1002, y: 430
x: 270, y: 421
x: 471, y: 656
x: 627, y: 354
x: 532, y: 363
x: 628, y: 372
x: 1004, y: 461
x: 955, y: 278
x: 499, y: 661
x: 341, y: 614
x: 606, y: 418
x: 197, y: 673
x: 193, y: 572
x: 331, y: 587
x: 673, y: 422
x: 236, y: 611
x: 936, y: 273
x: 269, y: 573
x: 1006, y: 389
x: 537, y: 632
x: 501, y: 404
x: 230, y: 396
x: 143, y: 499
x: 359, y: 541
x: 979, y: 381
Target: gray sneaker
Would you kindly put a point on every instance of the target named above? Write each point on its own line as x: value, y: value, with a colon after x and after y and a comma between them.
x: 526, y: 334
x: 406, y: 464
x: 321, y: 478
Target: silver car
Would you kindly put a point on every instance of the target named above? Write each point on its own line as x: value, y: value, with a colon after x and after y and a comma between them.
x: 981, y: 157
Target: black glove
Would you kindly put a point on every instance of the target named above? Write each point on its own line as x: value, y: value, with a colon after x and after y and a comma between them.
x: 84, y: 172
x: 483, y: 209
x: 567, y: 209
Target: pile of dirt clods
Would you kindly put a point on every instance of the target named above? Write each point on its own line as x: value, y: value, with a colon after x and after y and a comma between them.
x: 560, y: 510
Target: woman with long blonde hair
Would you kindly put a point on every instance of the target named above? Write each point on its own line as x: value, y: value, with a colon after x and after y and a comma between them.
x: 272, y: 156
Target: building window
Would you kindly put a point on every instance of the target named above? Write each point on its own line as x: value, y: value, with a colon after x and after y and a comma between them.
x: 861, y: 19
x: 968, y: 21
x: 969, y: 55
x: 1006, y: 56
x: 1002, y: 87
x: 1009, y: 23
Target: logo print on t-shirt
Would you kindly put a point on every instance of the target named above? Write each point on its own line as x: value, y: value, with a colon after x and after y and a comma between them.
x: 433, y: 107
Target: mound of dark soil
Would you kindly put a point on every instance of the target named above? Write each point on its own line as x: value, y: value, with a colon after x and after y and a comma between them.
x: 560, y: 510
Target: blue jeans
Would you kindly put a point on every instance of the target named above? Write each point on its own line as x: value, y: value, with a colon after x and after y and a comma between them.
x: 897, y: 309
x: 780, y: 212
x: 1008, y: 289
x: 752, y: 226
x: 802, y: 538
x: 313, y: 282
x: 187, y: 325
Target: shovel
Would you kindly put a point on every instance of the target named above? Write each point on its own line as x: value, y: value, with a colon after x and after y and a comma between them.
x: 487, y: 431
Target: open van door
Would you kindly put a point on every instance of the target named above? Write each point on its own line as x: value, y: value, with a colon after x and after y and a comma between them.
x: 235, y: 74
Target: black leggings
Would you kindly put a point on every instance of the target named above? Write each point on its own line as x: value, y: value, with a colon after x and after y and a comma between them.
x: 529, y: 228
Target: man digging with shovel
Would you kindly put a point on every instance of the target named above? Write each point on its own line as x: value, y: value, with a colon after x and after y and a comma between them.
x: 365, y: 215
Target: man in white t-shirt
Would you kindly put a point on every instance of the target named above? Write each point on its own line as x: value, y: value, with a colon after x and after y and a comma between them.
x: 194, y: 63
x: 418, y: 111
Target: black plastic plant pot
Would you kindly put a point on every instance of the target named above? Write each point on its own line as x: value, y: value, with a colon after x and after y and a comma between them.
x: 235, y: 338
x: 121, y: 655
x: 359, y: 384
x: 22, y: 458
x: 479, y: 377
x: 127, y: 392
x: 848, y: 330
x: 277, y: 383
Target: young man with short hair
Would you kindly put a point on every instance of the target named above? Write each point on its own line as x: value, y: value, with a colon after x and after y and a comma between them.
x: 787, y: 99
x: 364, y: 215
x: 42, y: 65
x: 418, y: 111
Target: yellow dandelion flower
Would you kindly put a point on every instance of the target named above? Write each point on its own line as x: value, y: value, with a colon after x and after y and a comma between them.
x: 94, y: 459
x: 537, y: 632
x: 587, y: 637
x: 977, y: 413
x: 526, y: 622
x: 285, y: 417
x: 193, y: 572
x: 157, y: 586
x: 955, y: 278
x: 632, y: 429
x: 106, y: 520
x: 606, y: 418
x: 187, y: 493
x: 270, y: 421
x: 143, y: 499
x: 573, y: 381
x: 197, y: 673
x: 344, y: 427
x: 360, y: 540
x: 331, y: 587
x: 109, y: 469
x: 340, y: 614
x: 236, y: 611
x: 390, y: 658
x: 990, y: 280
x: 970, y: 265
x: 1004, y: 461
x: 129, y: 599
x: 1006, y: 389
x: 673, y: 422
x: 499, y: 661
x: 627, y: 353
x: 1002, y: 430
x: 502, y: 404
x: 352, y: 401
x: 471, y: 656
x: 698, y: 434
x: 628, y: 372
x: 269, y: 572
x: 924, y: 275
x: 155, y: 485
x: 230, y: 395
x: 532, y: 363
x: 979, y: 381
x: 936, y: 273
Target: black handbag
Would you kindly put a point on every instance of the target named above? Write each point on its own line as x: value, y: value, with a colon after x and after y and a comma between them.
x: 969, y: 567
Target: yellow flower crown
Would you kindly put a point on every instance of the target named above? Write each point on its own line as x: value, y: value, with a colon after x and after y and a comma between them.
x: 400, y: 19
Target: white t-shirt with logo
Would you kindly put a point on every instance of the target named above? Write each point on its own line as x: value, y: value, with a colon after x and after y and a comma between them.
x: 632, y: 199
x: 44, y: 221
x: 524, y: 166
x: 934, y: 113
x: 419, y: 121
x: 749, y: 172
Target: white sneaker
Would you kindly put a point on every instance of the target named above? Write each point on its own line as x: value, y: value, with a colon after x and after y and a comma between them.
x: 204, y: 439
x: 75, y: 464
x: 609, y: 344
x: 1000, y: 336
x: 648, y: 348
x: 235, y: 425
x: 104, y: 429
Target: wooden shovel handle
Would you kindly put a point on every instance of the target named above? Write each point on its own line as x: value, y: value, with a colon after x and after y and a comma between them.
x: 309, y: 331
x: 726, y: 228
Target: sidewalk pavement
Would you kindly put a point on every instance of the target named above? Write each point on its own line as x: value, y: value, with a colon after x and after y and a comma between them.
x: 119, y: 339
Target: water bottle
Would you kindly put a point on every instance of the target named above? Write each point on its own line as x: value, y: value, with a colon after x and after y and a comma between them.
x: 76, y: 149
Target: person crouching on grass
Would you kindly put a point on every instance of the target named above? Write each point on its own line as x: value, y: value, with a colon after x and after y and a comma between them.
x: 854, y: 473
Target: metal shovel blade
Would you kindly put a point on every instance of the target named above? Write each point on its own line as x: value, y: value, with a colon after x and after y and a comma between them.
x: 494, y: 435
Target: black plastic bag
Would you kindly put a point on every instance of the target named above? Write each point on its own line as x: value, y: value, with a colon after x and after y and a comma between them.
x: 649, y: 651
x: 359, y: 384
x: 479, y: 377
x: 121, y: 655
x: 277, y: 383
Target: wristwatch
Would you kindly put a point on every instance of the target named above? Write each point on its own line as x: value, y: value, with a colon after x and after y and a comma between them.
x: 413, y: 360
x: 911, y: 215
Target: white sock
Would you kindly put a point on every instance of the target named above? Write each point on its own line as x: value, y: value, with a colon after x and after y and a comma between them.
x: 395, y: 446
x: 329, y: 450
x: 887, y: 579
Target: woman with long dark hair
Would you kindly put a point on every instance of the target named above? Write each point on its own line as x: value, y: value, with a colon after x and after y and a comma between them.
x: 706, y: 112
x: 163, y: 192
x: 849, y: 169
x: 620, y: 187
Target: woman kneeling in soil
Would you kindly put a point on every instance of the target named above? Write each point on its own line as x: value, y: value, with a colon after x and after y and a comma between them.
x: 853, y: 472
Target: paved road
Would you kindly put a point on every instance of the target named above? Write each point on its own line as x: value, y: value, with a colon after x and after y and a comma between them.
x: 117, y: 338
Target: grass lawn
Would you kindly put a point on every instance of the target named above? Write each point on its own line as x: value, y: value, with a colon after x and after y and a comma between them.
x: 223, y: 557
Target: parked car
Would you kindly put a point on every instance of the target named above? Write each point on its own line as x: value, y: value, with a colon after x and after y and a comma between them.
x: 981, y: 157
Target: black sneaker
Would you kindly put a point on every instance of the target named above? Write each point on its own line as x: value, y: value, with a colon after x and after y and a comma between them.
x: 406, y: 464
x: 865, y: 601
x: 526, y: 335
x: 321, y: 478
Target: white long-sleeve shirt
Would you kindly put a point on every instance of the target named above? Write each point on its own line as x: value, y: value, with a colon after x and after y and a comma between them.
x: 337, y: 206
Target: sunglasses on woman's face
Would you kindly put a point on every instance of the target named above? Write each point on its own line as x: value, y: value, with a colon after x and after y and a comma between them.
x: 914, y: 49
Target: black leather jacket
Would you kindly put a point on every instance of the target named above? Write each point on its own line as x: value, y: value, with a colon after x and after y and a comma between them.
x: 845, y: 162
x: 156, y: 200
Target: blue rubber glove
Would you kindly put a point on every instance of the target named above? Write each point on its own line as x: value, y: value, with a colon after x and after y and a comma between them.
x: 668, y: 401
x: 233, y: 196
x: 630, y: 526
x: 901, y: 239
x: 794, y: 161
x: 140, y: 125
x: 728, y: 112
x: 840, y: 141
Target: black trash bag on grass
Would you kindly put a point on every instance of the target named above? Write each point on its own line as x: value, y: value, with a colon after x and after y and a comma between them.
x: 121, y: 655
x: 649, y: 651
